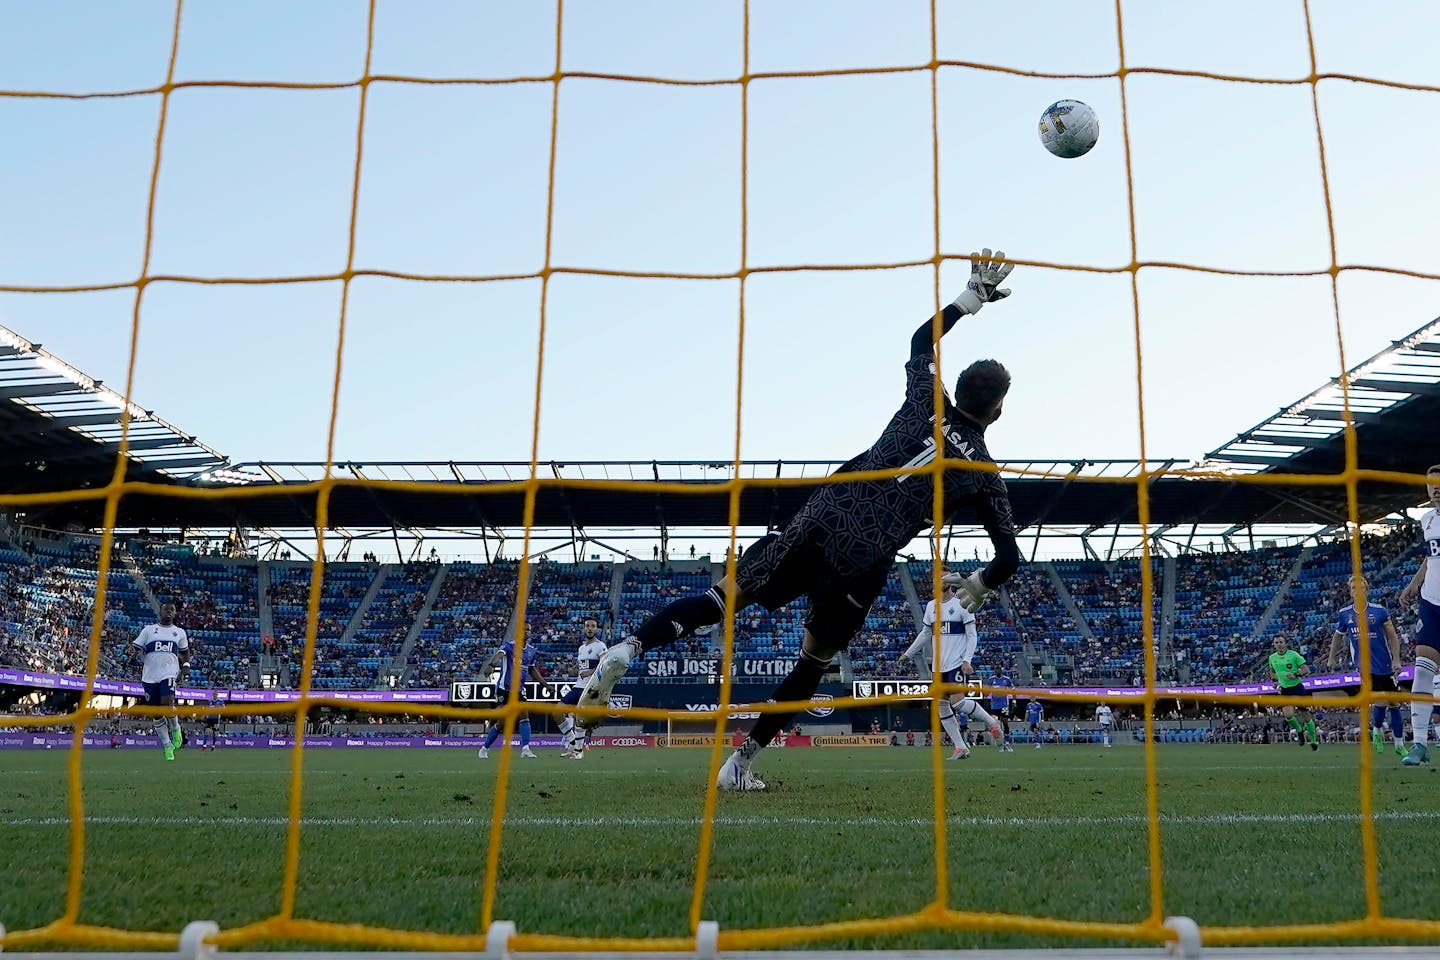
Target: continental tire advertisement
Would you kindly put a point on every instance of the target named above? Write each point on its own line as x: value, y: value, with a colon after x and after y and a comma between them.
x: 851, y: 740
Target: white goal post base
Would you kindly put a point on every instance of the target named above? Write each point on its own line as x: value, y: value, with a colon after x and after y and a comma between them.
x: 497, y: 942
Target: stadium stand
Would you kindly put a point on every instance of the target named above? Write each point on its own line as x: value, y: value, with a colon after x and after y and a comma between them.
x: 469, y: 618
x: 217, y: 599
x: 647, y: 587
x: 1079, y: 622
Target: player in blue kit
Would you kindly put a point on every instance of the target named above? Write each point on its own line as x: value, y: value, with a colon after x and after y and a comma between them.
x: 1034, y: 715
x: 1000, y: 709
x: 513, y: 672
x: 1384, y: 657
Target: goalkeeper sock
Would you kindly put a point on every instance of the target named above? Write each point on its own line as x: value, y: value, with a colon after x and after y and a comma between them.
x: 524, y: 734
x: 948, y: 721
x: 1295, y: 724
x: 1420, y: 710
x: 682, y: 618
x: 800, y: 684
x: 1310, y: 731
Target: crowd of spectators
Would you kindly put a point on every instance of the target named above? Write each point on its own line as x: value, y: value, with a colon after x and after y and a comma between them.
x: 468, y: 620
x: 1109, y: 597
x: 1220, y: 631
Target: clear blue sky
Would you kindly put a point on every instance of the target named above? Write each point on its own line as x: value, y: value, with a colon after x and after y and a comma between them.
x: 257, y: 183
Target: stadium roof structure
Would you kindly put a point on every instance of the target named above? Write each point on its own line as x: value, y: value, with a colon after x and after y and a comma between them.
x: 60, y: 429
x: 1394, y: 401
x: 1394, y: 397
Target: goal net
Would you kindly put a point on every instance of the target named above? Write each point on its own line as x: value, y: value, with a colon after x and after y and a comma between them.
x: 953, y: 91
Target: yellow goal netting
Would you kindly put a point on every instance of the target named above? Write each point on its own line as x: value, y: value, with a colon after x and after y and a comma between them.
x: 1375, y: 922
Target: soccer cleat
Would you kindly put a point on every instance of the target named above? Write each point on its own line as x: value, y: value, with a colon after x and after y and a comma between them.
x: 997, y: 732
x: 611, y: 668
x: 169, y: 753
x: 735, y: 775
x: 176, y: 738
x: 1378, y: 739
x: 961, y: 753
x: 525, y: 752
x: 1399, y: 749
x: 1416, y: 755
x: 484, y: 754
x: 1314, y: 744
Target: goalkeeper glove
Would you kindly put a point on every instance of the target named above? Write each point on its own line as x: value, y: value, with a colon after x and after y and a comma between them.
x: 973, y: 592
x: 987, y: 272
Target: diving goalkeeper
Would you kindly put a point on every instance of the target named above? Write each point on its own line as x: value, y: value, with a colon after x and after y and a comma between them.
x: 839, y: 548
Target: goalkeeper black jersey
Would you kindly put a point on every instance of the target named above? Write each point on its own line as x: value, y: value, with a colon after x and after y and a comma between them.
x: 861, y: 525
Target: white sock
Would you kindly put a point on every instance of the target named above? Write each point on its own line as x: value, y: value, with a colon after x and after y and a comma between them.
x: 951, y: 725
x: 173, y: 723
x: 974, y: 711
x: 162, y: 730
x: 1420, y: 710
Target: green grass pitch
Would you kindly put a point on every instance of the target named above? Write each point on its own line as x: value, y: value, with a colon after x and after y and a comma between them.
x: 607, y: 846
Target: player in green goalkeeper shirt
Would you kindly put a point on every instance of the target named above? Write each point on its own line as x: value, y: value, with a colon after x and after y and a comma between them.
x: 1288, y: 667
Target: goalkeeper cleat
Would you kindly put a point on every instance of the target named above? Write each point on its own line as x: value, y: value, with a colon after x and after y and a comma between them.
x: 525, y: 752
x: 607, y: 673
x: 735, y: 775
x: 1416, y: 755
x: 1378, y: 739
x: 484, y: 754
x: 169, y: 753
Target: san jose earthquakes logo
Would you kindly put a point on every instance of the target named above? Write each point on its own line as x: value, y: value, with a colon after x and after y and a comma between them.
x: 464, y: 691
x: 620, y: 701
x: 819, y: 711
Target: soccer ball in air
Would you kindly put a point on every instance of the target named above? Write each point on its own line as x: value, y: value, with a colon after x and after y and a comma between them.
x: 1069, y: 128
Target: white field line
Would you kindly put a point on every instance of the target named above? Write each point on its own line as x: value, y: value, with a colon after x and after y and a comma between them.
x: 1222, y: 819
x: 596, y: 771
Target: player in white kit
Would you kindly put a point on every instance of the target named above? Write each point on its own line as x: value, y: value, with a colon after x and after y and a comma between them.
x: 1105, y: 717
x: 163, y: 649
x: 1425, y: 583
x: 587, y: 658
x: 958, y: 642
